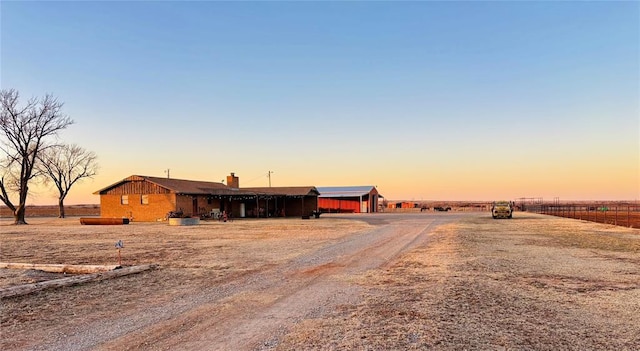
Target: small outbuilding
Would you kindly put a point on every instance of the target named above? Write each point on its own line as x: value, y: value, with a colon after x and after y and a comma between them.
x: 348, y: 199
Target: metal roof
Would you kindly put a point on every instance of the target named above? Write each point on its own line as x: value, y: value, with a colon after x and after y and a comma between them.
x: 346, y: 191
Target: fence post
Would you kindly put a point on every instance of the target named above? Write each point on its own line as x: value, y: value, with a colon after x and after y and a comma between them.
x: 615, y: 221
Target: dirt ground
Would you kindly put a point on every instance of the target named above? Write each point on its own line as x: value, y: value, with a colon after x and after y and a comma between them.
x: 341, y: 282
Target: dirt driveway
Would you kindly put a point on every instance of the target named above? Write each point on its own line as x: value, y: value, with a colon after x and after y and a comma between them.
x: 370, y: 282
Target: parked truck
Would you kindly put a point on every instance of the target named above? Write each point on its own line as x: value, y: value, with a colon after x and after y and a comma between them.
x: 501, y: 209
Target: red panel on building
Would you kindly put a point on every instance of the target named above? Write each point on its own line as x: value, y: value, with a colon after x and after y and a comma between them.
x: 339, y: 205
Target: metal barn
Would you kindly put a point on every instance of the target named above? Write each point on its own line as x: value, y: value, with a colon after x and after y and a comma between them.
x: 348, y: 199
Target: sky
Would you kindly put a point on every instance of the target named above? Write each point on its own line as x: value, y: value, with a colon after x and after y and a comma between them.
x: 424, y: 100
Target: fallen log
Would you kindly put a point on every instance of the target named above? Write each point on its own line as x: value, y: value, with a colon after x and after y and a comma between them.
x: 25, y: 289
x: 60, y: 268
x: 103, y: 221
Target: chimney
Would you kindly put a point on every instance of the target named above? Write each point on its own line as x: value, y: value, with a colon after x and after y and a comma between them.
x: 233, y: 181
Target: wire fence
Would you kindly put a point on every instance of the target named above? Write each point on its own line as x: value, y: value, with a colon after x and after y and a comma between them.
x: 620, y: 215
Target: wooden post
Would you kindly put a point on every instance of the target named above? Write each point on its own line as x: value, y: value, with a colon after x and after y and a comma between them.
x: 59, y: 268
x: 119, y: 245
x: 20, y: 290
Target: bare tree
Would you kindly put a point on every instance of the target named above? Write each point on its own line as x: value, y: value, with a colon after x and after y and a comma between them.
x: 26, y: 132
x: 64, y: 165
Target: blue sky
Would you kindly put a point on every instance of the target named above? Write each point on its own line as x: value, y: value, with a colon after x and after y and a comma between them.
x: 426, y: 100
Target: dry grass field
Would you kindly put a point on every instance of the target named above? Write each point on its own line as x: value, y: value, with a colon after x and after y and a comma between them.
x: 190, y: 258
x: 534, y: 282
x: 52, y: 211
x: 217, y: 249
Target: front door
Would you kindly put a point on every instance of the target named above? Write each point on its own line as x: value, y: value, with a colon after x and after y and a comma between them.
x: 195, y: 206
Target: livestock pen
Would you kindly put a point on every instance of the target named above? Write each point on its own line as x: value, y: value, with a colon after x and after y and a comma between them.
x: 626, y: 215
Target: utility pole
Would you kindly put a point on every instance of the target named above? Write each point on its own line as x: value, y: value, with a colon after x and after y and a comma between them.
x: 167, y: 172
x: 269, y: 176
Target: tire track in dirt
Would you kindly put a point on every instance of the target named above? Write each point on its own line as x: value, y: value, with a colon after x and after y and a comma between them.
x: 253, y: 311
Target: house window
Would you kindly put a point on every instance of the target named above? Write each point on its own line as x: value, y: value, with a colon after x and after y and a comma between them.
x: 144, y: 199
x: 124, y: 200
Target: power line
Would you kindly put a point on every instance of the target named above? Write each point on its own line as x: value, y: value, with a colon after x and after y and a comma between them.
x: 256, y: 178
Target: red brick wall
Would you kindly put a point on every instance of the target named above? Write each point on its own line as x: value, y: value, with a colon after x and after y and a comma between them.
x: 184, y: 203
x: 158, y: 207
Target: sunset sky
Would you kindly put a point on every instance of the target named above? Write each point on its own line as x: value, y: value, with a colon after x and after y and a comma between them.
x: 425, y: 100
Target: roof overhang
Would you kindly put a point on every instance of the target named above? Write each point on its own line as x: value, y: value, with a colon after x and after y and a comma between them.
x: 345, y: 194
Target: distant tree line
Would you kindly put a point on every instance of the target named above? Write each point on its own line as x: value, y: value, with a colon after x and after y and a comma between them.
x: 31, y: 151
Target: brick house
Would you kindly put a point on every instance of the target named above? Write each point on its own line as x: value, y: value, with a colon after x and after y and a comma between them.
x: 145, y: 198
